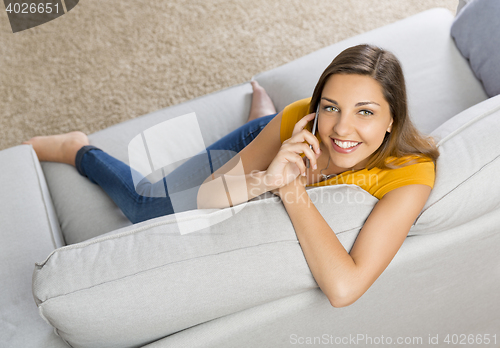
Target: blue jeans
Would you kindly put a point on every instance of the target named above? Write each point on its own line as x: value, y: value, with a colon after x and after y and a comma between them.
x: 150, y: 200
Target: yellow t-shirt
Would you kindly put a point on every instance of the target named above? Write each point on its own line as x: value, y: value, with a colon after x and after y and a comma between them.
x: 376, y: 181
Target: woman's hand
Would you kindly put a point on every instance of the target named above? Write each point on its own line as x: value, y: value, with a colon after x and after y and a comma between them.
x: 288, y: 164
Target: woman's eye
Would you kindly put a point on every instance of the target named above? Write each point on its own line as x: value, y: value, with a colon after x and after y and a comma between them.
x: 366, y: 112
x: 330, y: 108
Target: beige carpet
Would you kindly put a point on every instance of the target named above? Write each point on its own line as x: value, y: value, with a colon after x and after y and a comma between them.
x: 107, y: 61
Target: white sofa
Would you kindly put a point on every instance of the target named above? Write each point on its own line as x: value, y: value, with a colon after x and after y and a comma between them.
x: 243, y: 281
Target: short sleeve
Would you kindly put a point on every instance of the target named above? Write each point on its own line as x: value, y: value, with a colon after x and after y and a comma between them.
x: 419, y: 173
x: 291, y: 115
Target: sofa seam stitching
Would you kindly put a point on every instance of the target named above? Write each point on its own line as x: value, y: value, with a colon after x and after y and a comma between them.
x: 168, y: 264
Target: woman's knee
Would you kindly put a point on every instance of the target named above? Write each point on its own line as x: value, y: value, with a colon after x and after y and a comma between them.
x: 145, y: 209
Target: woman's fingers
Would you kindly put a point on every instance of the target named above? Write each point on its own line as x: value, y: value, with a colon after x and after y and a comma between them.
x: 312, y: 157
x: 298, y: 148
x: 307, y: 136
x: 300, y: 142
x: 300, y: 125
x: 299, y: 162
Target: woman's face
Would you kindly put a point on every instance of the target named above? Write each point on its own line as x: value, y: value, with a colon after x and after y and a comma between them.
x: 353, y: 119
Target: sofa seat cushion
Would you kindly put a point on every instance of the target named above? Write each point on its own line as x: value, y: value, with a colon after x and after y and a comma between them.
x: 29, y: 230
x: 84, y: 209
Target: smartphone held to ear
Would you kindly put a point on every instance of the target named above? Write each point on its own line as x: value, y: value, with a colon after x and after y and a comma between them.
x: 313, y: 133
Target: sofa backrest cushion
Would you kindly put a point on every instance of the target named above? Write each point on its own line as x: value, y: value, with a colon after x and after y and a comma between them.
x: 475, y: 30
x: 467, y: 185
x: 144, y: 282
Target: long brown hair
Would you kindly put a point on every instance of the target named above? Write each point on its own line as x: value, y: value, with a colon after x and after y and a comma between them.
x: 404, y: 138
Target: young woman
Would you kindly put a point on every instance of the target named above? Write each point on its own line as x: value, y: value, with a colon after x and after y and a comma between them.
x: 364, y: 137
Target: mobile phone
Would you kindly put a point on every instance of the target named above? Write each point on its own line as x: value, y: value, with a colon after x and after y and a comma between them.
x: 313, y: 132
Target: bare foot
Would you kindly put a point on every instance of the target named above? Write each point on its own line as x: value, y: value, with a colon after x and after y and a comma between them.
x: 58, y: 148
x: 262, y: 105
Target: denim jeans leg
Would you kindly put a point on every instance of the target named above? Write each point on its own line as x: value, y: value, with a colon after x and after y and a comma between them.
x: 194, y: 171
x: 139, y: 203
x: 183, y: 182
x: 177, y: 191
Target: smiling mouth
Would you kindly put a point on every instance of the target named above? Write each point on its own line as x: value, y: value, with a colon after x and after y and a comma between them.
x: 346, y: 144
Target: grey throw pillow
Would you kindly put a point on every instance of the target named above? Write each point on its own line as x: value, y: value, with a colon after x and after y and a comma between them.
x: 475, y: 31
x: 462, y: 4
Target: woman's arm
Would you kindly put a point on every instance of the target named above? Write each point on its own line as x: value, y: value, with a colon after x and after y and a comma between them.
x: 242, y: 177
x: 226, y: 190
x: 344, y: 277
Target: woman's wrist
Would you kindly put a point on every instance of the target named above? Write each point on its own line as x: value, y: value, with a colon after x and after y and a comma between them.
x: 229, y: 190
x: 258, y: 180
x: 265, y: 180
x: 293, y: 189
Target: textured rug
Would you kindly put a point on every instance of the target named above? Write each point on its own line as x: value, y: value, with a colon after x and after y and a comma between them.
x: 108, y: 61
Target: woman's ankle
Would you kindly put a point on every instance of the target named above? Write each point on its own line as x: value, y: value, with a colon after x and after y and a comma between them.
x: 262, y: 105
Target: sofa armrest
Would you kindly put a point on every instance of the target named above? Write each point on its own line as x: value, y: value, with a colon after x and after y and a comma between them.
x: 29, y: 230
